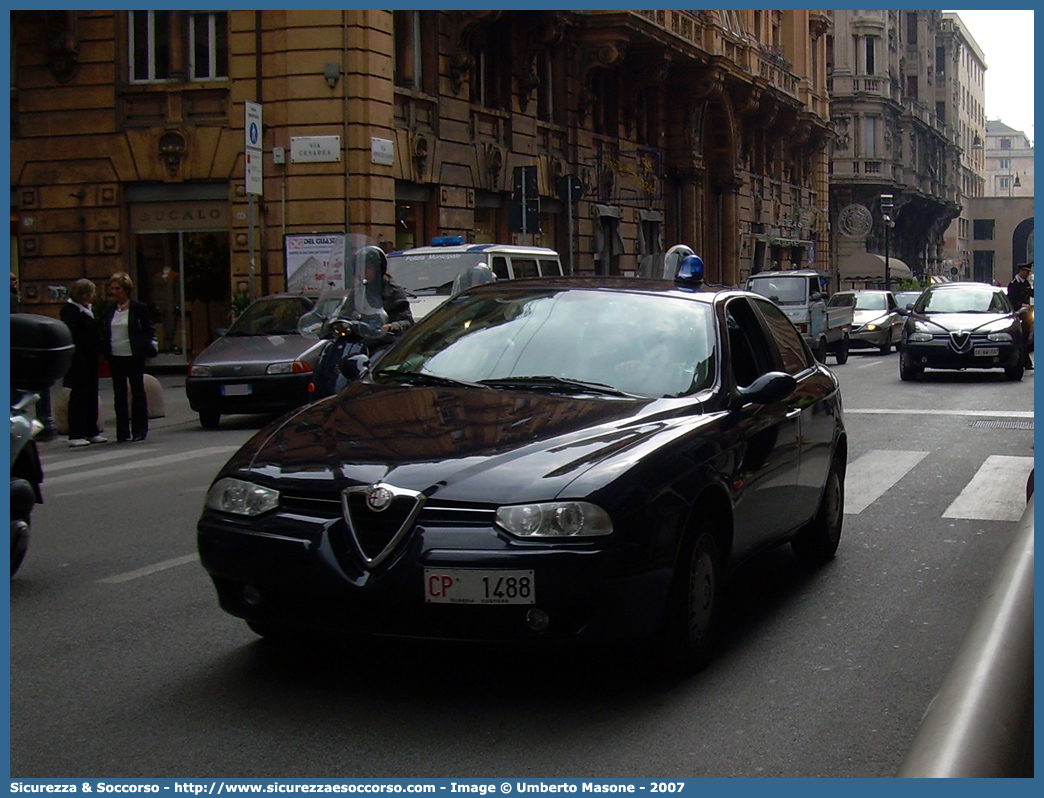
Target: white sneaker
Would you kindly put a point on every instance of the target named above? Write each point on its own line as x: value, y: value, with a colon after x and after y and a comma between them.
x: 99, y: 439
x: 79, y: 442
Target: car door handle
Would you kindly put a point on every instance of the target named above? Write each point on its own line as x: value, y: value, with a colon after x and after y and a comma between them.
x: 792, y: 414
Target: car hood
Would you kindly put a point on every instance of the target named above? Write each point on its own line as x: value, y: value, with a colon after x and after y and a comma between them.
x: 962, y: 321
x: 462, y: 444
x: 860, y: 317
x: 259, y: 350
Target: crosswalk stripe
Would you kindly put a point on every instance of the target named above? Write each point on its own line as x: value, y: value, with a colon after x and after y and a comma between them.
x: 869, y: 476
x: 138, y: 464
x: 996, y: 492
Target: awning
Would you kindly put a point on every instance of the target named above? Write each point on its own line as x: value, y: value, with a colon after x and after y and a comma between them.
x: 870, y: 266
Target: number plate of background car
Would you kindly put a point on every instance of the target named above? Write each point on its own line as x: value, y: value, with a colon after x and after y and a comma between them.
x: 990, y: 351
x: 468, y: 586
x: 235, y: 390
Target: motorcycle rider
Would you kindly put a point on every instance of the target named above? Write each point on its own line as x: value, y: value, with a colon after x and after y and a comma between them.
x: 383, y: 292
x: 1019, y: 293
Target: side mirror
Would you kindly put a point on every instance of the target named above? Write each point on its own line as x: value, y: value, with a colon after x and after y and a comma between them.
x: 354, y: 365
x: 769, y: 388
x: 815, y: 296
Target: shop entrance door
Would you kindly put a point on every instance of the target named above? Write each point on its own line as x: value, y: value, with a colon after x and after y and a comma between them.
x: 183, y: 277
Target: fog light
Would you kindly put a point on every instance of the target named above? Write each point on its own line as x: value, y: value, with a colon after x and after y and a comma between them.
x: 251, y: 595
x: 537, y: 619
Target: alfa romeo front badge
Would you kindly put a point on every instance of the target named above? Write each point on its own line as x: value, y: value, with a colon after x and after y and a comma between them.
x: 379, y: 498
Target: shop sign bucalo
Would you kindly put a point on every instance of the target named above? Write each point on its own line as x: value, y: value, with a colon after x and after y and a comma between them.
x: 179, y: 215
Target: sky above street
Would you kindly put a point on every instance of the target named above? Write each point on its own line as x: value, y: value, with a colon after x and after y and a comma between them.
x: 1006, y: 41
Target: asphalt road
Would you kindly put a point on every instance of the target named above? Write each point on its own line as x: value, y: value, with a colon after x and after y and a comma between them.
x: 122, y: 665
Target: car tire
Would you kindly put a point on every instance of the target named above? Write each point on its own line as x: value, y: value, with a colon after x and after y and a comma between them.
x: 842, y: 351
x: 886, y: 347
x: 695, y: 601
x: 908, y: 372
x: 274, y: 631
x: 818, y: 540
x: 1014, y: 373
x: 19, y: 544
x: 209, y: 419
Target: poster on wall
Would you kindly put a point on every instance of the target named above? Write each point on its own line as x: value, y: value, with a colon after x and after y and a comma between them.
x: 314, y: 261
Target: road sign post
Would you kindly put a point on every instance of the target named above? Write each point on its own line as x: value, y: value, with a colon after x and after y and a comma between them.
x: 252, y: 131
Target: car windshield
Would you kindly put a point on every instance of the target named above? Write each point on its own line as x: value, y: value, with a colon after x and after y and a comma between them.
x: 781, y: 290
x: 964, y: 300
x: 271, y: 316
x: 871, y: 302
x: 580, y: 341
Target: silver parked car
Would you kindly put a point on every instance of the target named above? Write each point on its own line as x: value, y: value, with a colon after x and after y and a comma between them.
x: 262, y: 363
x: 876, y: 321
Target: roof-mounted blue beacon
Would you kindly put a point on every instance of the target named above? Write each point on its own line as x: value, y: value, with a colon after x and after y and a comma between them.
x: 690, y: 273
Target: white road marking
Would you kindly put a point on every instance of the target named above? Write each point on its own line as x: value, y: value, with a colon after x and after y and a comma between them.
x: 871, y: 475
x: 929, y: 411
x: 997, y: 492
x: 137, y: 465
x: 148, y: 570
x: 76, y: 461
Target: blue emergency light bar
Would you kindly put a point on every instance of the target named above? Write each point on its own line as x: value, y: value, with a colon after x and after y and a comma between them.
x: 447, y: 241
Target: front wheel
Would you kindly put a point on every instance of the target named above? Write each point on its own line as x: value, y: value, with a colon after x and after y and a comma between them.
x: 907, y: 371
x: 886, y: 347
x: 817, y: 542
x: 694, y: 603
x: 841, y: 352
x: 1014, y: 373
x: 19, y: 544
x: 209, y: 419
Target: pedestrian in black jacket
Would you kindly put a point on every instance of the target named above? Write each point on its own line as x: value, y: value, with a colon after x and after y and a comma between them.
x: 82, y: 377
x: 128, y: 339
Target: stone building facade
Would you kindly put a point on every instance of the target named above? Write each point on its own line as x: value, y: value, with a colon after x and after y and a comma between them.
x: 961, y: 104
x: 709, y: 128
x: 894, y: 135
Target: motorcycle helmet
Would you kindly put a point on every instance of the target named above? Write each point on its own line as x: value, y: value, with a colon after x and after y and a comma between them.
x: 374, y: 256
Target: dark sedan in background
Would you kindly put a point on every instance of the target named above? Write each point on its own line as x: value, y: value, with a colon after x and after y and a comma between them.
x: 261, y: 364
x: 962, y: 326
x: 576, y: 459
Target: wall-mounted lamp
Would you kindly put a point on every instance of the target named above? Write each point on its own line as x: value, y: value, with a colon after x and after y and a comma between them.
x: 332, y: 73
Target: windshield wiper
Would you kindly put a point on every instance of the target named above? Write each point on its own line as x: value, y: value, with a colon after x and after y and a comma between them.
x: 423, y: 378
x: 550, y: 383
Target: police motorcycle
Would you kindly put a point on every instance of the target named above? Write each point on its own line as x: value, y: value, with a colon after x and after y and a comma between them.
x: 41, y: 352
x: 352, y: 329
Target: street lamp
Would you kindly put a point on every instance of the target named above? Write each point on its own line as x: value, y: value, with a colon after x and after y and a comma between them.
x: 887, y: 206
x: 1013, y: 183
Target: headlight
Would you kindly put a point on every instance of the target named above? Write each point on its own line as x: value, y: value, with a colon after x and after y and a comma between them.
x: 199, y: 371
x: 1002, y: 337
x: 296, y: 367
x: 555, y: 520
x: 229, y: 495
x: 870, y: 327
x: 920, y: 337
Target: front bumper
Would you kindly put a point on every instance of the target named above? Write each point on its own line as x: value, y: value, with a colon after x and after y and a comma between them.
x: 268, y: 393
x: 297, y: 571
x: 940, y: 354
x: 869, y: 338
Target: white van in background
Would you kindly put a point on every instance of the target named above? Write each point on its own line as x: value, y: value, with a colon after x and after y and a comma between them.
x: 430, y: 275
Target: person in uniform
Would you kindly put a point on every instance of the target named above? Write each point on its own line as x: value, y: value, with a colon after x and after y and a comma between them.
x: 1020, y: 292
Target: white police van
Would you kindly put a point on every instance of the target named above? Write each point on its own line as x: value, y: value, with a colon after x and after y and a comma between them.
x: 430, y: 275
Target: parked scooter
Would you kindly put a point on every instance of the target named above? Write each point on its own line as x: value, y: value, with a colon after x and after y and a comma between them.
x: 41, y: 351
